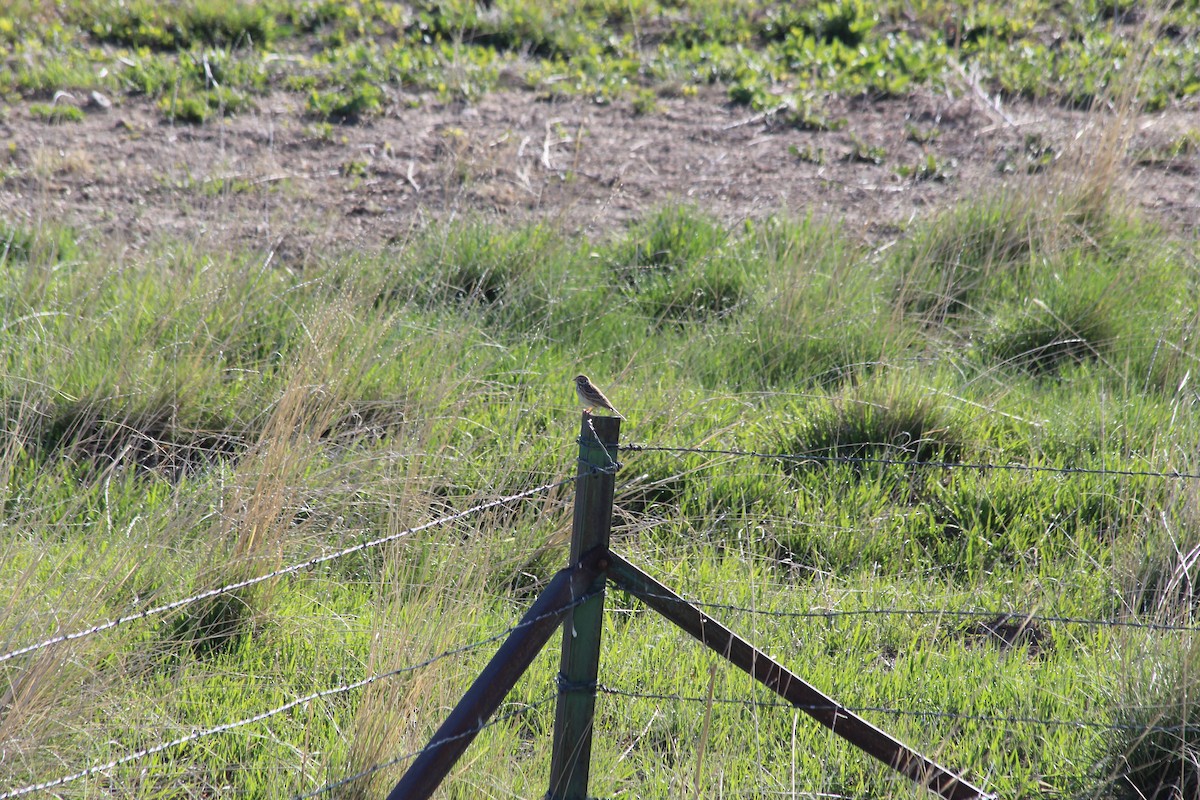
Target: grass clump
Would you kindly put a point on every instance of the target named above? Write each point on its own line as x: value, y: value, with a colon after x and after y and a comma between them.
x: 681, y: 266
x: 197, y: 108
x: 1040, y: 337
x: 56, y: 114
x: 153, y: 435
x: 812, y: 318
x: 956, y: 260
x: 673, y: 239
x: 1154, y: 754
x: 1040, y: 288
x: 949, y: 263
x: 1009, y: 519
x: 1106, y: 307
x: 709, y: 291
x: 210, y: 627
x: 347, y: 106
x: 472, y: 266
x: 47, y: 244
x: 884, y: 418
x: 206, y: 22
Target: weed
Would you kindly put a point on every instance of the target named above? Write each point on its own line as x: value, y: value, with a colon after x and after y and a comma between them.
x: 321, y: 131
x: 56, y: 114
x: 931, y: 169
x: 198, y: 108
x: 777, y: 56
x: 355, y: 168
x: 807, y: 114
x: 846, y: 22
x: 863, y: 153
x: 347, y: 107
x: 211, y: 22
x: 645, y: 102
x: 915, y: 133
x: 1179, y: 154
x: 808, y: 154
x: 191, y: 109
x: 1036, y: 156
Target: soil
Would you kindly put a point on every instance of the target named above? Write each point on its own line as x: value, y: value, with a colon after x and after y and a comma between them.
x: 274, y: 178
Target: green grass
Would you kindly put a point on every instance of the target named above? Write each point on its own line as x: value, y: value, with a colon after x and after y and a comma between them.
x: 55, y: 114
x: 183, y: 417
x: 346, y: 59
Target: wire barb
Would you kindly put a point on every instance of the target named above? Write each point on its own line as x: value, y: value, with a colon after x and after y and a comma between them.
x: 565, y: 685
x: 592, y: 469
x: 609, y: 447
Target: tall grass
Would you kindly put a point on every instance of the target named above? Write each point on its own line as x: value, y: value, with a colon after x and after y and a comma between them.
x: 190, y: 414
x: 186, y: 417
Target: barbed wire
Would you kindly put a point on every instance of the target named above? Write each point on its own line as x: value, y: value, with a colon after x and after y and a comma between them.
x: 898, y: 712
x: 371, y: 770
x: 601, y: 688
x: 302, y: 566
x: 899, y: 462
x: 299, y: 701
x: 1014, y: 616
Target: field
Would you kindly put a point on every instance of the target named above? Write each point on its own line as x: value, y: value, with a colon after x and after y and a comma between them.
x: 900, y: 299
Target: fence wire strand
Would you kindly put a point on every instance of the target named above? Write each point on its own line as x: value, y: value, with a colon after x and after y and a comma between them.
x: 1006, y: 616
x: 898, y: 712
x: 601, y: 688
x: 899, y: 462
x: 299, y: 701
x: 288, y: 570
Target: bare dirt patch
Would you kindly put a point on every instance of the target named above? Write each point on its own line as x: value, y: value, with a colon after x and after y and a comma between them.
x: 276, y: 179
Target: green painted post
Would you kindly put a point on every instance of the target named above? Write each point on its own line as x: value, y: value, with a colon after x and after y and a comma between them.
x: 580, y: 663
x: 495, y: 681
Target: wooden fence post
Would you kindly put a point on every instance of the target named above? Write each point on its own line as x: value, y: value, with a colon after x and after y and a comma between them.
x: 572, y: 751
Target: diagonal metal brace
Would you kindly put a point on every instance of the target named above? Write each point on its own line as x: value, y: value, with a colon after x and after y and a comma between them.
x: 498, y: 677
x: 804, y: 696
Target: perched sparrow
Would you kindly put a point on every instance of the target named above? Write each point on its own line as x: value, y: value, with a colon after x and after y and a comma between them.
x: 591, y: 397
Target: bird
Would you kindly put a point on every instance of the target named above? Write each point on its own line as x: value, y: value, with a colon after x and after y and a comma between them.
x: 591, y: 397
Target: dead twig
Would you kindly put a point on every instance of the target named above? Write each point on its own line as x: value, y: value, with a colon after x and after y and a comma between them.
x: 990, y: 104
x: 756, y: 118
